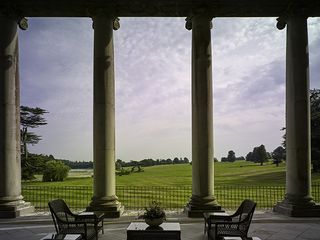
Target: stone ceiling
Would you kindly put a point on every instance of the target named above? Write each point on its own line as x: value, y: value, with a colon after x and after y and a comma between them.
x: 158, y: 8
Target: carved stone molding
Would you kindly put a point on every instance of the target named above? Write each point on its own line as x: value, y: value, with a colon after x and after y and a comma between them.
x: 115, y: 24
x: 294, y: 9
x: 188, y: 24
x: 15, y: 15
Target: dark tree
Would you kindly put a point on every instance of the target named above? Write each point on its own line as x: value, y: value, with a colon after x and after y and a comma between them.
x: 249, y: 157
x: 168, y: 161
x: 258, y: 155
x: 29, y: 118
x: 261, y: 154
x: 278, y: 155
x: 315, y: 129
x: 231, y: 156
x: 224, y: 159
x: 176, y: 160
x: 118, y: 164
x: 55, y: 171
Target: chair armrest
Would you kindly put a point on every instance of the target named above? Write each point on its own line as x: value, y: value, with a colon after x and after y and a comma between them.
x: 90, y: 217
x: 219, y: 216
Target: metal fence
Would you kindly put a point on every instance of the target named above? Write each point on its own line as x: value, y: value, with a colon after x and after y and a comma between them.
x: 170, y: 197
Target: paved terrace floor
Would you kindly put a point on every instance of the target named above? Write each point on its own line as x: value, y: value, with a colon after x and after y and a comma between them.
x: 266, y: 225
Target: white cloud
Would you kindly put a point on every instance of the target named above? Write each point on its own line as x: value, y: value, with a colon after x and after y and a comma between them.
x: 153, y: 84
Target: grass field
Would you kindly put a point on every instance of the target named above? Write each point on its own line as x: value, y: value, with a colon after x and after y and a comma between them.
x: 170, y: 184
x: 237, y: 173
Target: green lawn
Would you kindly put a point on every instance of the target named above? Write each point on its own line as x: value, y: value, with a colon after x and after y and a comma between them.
x: 171, y: 185
x: 237, y: 173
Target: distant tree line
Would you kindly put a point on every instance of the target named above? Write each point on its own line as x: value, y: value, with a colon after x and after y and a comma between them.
x: 258, y: 155
x: 78, y: 164
x: 231, y: 157
x: 151, y: 162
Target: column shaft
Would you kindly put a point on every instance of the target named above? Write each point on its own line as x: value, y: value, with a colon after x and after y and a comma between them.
x: 202, y: 119
x: 11, y: 201
x: 298, y: 200
x: 104, y: 199
x: 298, y: 177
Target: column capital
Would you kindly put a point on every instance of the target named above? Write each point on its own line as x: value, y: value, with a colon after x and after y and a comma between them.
x: 293, y: 10
x: 115, y: 21
x: 17, y: 16
x: 200, y: 17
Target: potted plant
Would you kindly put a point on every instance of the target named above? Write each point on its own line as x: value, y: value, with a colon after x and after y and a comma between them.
x: 154, y: 215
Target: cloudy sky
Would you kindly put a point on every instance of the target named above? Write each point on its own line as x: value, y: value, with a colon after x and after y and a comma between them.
x: 153, y: 84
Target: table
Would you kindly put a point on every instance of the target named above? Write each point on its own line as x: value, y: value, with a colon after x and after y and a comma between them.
x: 142, y: 231
x: 62, y: 236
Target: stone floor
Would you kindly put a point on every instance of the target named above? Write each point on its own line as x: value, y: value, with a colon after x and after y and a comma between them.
x: 267, y: 226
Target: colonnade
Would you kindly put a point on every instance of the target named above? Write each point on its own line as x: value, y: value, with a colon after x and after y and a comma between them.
x: 298, y: 200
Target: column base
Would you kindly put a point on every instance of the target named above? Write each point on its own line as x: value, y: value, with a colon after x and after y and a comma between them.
x: 295, y: 207
x: 198, y: 205
x: 14, y: 208
x: 110, y: 206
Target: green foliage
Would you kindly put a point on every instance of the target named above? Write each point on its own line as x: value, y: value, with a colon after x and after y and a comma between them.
x: 55, y: 171
x: 123, y: 171
x: 34, y: 165
x: 231, y: 156
x: 118, y: 164
x: 150, y: 162
x: 32, y: 117
x: 258, y: 155
x: 279, y: 154
x: 29, y: 118
x: 315, y: 129
x: 154, y: 211
x: 78, y: 164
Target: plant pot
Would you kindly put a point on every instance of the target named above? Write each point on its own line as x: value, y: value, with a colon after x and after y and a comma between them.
x: 154, y: 222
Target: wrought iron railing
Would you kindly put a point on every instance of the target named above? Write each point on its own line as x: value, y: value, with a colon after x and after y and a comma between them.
x: 170, y: 197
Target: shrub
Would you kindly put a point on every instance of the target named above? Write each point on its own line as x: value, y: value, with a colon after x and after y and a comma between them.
x: 154, y: 211
x: 55, y: 171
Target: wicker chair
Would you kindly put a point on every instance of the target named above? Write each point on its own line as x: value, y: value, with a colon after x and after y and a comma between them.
x: 236, y: 225
x: 87, y: 224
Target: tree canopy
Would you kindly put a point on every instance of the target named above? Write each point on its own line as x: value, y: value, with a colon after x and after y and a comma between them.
x: 55, y: 171
x: 315, y: 129
x: 29, y: 118
x: 278, y: 154
x: 231, y: 156
x: 258, y: 155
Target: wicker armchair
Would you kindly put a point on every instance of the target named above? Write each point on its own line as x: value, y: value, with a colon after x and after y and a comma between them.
x: 87, y: 224
x: 236, y: 225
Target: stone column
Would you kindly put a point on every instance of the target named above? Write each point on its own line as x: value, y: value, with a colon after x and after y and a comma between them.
x: 11, y: 200
x: 104, y: 199
x: 202, y: 118
x: 298, y: 200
